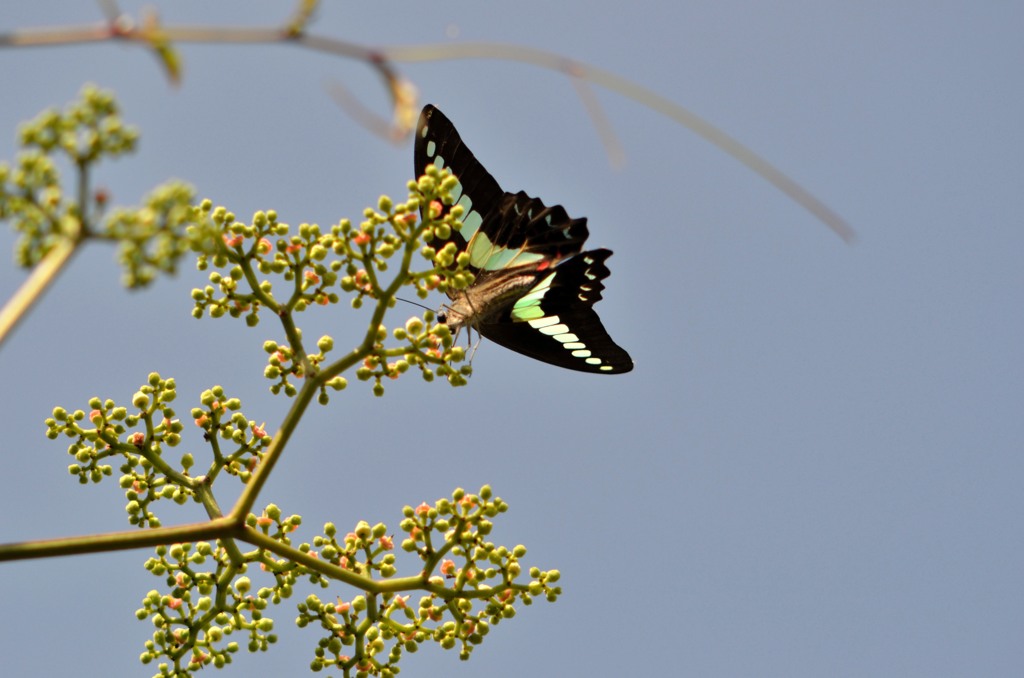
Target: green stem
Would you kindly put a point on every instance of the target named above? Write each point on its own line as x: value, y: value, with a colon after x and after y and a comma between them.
x: 323, y: 567
x: 262, y: 472
x: 117, y: 541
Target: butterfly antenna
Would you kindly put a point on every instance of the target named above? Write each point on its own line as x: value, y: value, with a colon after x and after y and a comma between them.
x: 414, y: 303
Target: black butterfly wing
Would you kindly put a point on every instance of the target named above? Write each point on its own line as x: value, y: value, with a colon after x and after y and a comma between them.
x: 499, y: 229
x: 555, y: 321
x: 438, y: 143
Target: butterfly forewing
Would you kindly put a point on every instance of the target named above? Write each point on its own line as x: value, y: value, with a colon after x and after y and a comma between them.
x: 495, y: 225
x: 439, y: 144
x: 534, y: 290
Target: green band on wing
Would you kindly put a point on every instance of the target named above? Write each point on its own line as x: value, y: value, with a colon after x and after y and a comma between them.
x: 529, y: 312
x: 527, y: 307
x: 487, y: 256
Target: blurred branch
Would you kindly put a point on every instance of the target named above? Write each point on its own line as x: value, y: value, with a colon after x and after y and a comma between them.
x: 43, y: 275
x: 160, y: 38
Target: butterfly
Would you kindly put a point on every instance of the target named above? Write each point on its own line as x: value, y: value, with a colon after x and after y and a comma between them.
x: 534, y: 287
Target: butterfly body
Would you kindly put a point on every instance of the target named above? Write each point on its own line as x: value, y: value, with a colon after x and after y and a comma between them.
x: 482, y: 303
x: 534, y: 287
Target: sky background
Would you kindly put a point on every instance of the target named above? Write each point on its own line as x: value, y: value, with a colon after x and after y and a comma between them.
x: 815, y: 467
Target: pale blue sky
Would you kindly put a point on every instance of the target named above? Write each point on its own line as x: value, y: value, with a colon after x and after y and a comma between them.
x: 815, y: 467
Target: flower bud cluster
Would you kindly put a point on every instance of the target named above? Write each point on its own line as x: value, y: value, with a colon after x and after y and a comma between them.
x: 461, y: 601
x: 245, y: 257
x: 150, y: 237
x: 365, y: 550
x: 138, y: 435
x: 209, y: 598
x: 222, y: 422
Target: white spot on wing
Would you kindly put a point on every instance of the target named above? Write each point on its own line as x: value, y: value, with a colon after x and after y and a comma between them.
x: 544, y: 322
x: 554, y: 329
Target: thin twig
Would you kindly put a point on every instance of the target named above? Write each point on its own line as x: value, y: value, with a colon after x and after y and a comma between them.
x: 382, y: 59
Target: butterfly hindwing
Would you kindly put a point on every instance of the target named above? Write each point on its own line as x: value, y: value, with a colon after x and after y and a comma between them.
x: 535, y: 289
x: 524, y: 231
x: 555, y: 321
